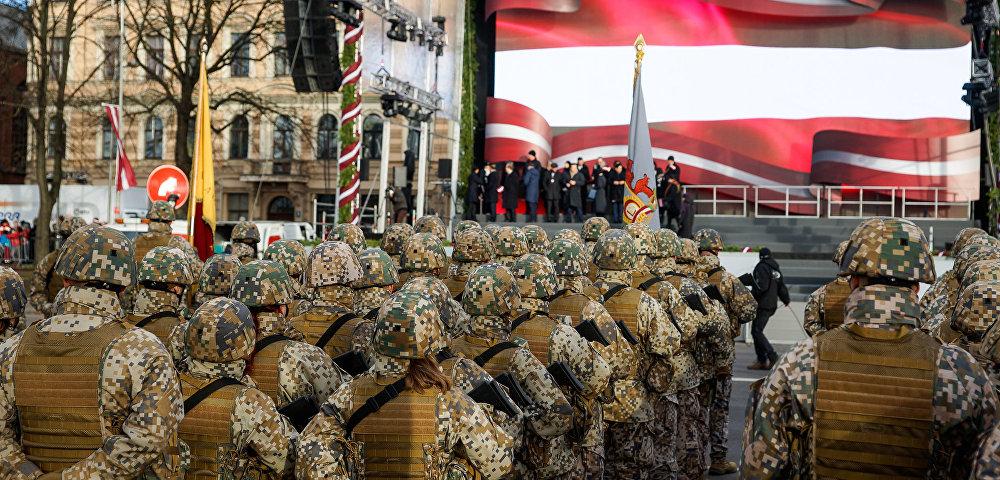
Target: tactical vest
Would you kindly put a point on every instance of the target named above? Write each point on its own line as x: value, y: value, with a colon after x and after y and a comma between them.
x: 159, y: 324
x: 264, y: 370
x: 631, y: 402
x: 399, y: 439
x: 145, y: 242
x: 715, y: 277
x: 54, y: 285
x: 836, y: 294
x: 675, y: 279
x: 624, y: 306
x: 537, y: 331
x: 570, y: 304
x: 640, y: 279
x: 57, y: 394
x: 874, y: 404
x: 592, y: 273
x: 207, y: 429
x: 495, y: 366
x: 456, y: 285
x: 313, y: 326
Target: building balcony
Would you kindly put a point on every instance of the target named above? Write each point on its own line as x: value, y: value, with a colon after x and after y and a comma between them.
x: 274, y: 171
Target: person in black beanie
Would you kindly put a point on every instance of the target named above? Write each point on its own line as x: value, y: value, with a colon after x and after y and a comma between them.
x: 769, y: 289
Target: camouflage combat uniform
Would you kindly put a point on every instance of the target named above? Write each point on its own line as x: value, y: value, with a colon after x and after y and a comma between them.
x: 591, y: 230
x: 350, y: 234
x: 244, y: 241
x: 462, y: 441
x: 160, y: 215
x: 511, y: 244
x: 431, y: 224
x: 378, y: 275
x: 237, y: 429
x: 492, y: 229
x: 465, y: 225
x: 538, y: 240
x: 946, y: 283
x: 157, y: 309
x: 989, y: 354
x: 553, y: 340
x: 216, y: 279
x: 394, y: 238
x: 282, y: 368
x: 291, y: 255
x: 941, y: 327
x: 825, y: 305
x: 423, y: 256
x: 13, y: 301
x: 45, y: 282
x: 835, y: 384
x: 330, y: 270
x: 942, y: 307
x: 568, y: 233
x: 122, y: 428
x: 473, y: 248
x: 196, y: 266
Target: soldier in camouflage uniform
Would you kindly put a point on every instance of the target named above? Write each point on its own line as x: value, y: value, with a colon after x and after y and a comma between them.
x: 825, y: 306
x: 195, y: 264
x: 378, y: 275
x: 45, y: 282
x: 283, y: 368
x: 291, y: 255
x: 423, y: 256
x: 163, y: 277
x: 551, y: 341
x: 942, y: 308
x: 836, y: 385
x: 394, y: 238
x: 158, y: 231
x: 82, y: 393
x: 350, y: 234
x: 946, y: 282
x: 941, y: 327
x: 538, y: 240
x: 989, y: 351
x: 629, y: 440
x: 431, y: 224
x: 977, y: 309
x: 13, y: 300
x: 592, y: 229
x: 244, y: 241
x: 455, y: 319
x: 236, y: 430
x: 216, y: 279
x: 331, y: 270
x: 465, y: 225
x: 473, y: 248
x: 492, y: 229
x: 491, y: 298
x: 463, y: 441
x: 511, y: 244
x: 570, y: 234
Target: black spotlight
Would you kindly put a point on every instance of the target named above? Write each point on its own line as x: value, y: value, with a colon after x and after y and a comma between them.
x: 397, y: 31
x: 390, y: 104
x: 346, y: 11
x: 439, y: 21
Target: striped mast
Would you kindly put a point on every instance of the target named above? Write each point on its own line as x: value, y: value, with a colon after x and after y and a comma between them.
x: 349, y: 133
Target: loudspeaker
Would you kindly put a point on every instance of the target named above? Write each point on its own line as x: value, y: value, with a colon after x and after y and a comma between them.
x: 365, y: 165
x: 312, y: 48
x: 444, y: 168
x: 399, y: 176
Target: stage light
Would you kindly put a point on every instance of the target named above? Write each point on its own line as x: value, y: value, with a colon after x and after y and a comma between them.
x: 397, y: 31
x: 439, y: 21
x: 391, y: 104
x: 346, y: 11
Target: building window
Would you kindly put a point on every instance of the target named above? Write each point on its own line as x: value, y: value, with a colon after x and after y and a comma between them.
x: 239, y: 137
x: 56, y: 52
x: 107, y: 141
x: 154, y: 56
x: 111, y: 54
x: 326, y: 138
x: 282, y: 209
x: 371, y: 144
x: 51, y: 149
x: 154, y: 137
x: 237, y: 206
x: 284, y: 138
x: 194, y: 51
x: 281, y: 67
x: 241, y: 55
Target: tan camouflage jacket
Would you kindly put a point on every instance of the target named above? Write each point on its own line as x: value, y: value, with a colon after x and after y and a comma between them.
x: 38, y: 287
x: 812, y: 320
x: 941, y: 306
x: 303, y: 369
x: 777, y: 443
x: 138, y: 386
x: 988, y: 457
x: 368, y: 299
x: 632, y: 402
x: 946, y: 284
x: 687, y: 372
x: 256, y: 423
x: 740, y: 305
x: 242, y: 251
x: 464, y: 430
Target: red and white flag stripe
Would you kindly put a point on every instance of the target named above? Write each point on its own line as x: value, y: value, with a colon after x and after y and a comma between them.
x: 125, y: 176
x: 352, y: 34
x: 353, y: 73
x: 348, y: 193
x: 512, y: 130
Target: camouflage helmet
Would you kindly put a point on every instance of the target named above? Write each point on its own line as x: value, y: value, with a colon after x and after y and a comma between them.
x: 511, y: 242
x: 97, y: 254
x: 979, y: 271
x: 408, y: 327
x: 377, y: 269
x: 423, y: 252
x: 615, y: 250
x: 473, y: 246
x: 492, y: 229
x: 160, y: 211
x: 971, y: 254
x: 262, y: 283
x: 838, y: 256
x: 963, y: 237
x: 668, y: 244
x: 350, y: 234
x: 976, y: 309
x: 990, y: 348
x: 709, y: 239
x: 15, y: 297
x: 431, y: 224
x: 536, y: 277
x: 888, y: 247
x: 290, y: 254
x: 644, y: 243
x: 689, y: 251
x: 491, y: 290
x: 570, y: 234
x: 568, y: 258
x: 167, y: 265
x: 218, y: 274
x: 220, y: 331
x: 70, y: 225
x: 435, y: 290
x: 332, y: 263
x: 593, y: 228
x: 189, y: 251
x: 465, y: 225
x: 395, y: 237
x: 245, y: 232
x: 538, y: 240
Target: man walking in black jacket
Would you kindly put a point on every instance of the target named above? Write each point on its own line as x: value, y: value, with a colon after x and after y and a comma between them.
x: 770, y: 288
x: 552, y: 185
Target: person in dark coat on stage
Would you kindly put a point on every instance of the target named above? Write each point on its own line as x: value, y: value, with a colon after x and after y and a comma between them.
x: 492, y: 185
x: 531, y: 180
x: 473, y: 193
x: 672, y: 195
x: 511, y: 189
x: 600, y: 177
x: 574, y: 183
x: 552, y: 185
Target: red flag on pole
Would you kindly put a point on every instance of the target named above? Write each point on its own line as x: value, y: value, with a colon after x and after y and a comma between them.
x: 124, y: 177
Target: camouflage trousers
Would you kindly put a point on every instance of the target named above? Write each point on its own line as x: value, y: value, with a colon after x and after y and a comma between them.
x: 665, y: 438
x: 629, y: 450
x: 693, y: 421
x: 591, y: 464
x: 718, y: 420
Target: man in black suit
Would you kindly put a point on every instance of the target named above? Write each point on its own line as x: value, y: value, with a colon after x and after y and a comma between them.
x: 492, y: 184
x: 552, y: 186
x: 473, y: 193
x: 511, y: 188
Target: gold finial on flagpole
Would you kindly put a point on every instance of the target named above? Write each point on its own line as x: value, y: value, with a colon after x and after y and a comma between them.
x: 640, y: 50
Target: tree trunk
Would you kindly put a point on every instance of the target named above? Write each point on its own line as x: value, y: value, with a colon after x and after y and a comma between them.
x: 42, y: 232
x: 184, y: 125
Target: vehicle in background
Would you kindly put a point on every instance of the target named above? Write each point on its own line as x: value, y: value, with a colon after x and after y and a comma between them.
x: 269, y: 232
x: 132, y: 227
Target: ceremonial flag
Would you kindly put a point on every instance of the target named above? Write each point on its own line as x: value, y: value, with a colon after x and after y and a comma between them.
x: 124, y: 177
x: 201, y: 210
x: 640, y: 173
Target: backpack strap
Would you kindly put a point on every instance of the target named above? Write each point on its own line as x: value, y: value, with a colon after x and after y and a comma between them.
x: 267, y: 341
x: 614, y: 291
x: 373, y: 404
x: 208, y: 390
x: 458, y: 298
x: 649, y: 283
x: 558, y: 295
x: 372, y: 314
x: 444, y: 355
x: 714, y: 271
x: 491, y: 352
x: 332, y: 329
x: 156, y: 316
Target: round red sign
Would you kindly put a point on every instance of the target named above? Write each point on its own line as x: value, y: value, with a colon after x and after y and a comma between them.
x: 166, y: 180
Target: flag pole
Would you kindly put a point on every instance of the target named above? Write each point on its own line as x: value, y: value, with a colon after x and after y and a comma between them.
x: 640, y: 50
x: 193, y: 196
x: 121, y: 99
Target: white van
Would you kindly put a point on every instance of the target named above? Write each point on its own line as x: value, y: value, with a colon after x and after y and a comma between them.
x: 269, y: 232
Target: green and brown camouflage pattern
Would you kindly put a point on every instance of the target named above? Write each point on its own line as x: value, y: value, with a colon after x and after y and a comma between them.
x: 332, y: 263
x: 473, y: 246
x: 221, y: 330
x: 262, y: 283
x: 889, y: 247
x: 423, y: 252
x: 167, y: 265
x: 568, y: 258
x: 97, y: 254
x: 290, y: 254
x: 245, y: 232
x: 218, y: 274
x: 709, y: 239
x: 593, y: 228
x: 689, y: 251
x: 70, y: 225
x: 964, y: 236
x: 973, y: 254
x: 977, y: 309
x: 377, y: 269
x: 644, y: 243
x: 511, y: 242
x: 395, y: 237
x: 668, y: 244
x: 536, y: 277
x: 538, y: 240
x: 13, y: 296
x: 492, y: 229
x: 570, y: 234
x: 454, y: 318
x: 465, y: 225
x: 408, y: 327
x: 350, y: 234
x: 491, y: 290
x: 615, y: 250
x: 160, y: 211
x: 431, y: 224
